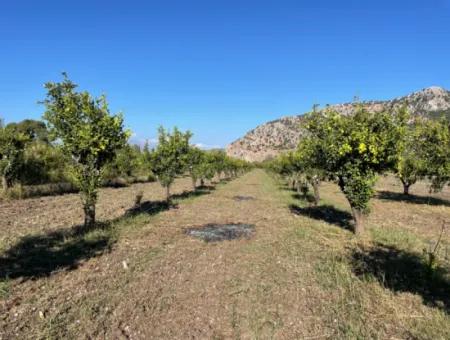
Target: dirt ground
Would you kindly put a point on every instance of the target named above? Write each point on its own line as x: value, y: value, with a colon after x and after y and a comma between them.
x: 45, y: 214
x: 302, y: 275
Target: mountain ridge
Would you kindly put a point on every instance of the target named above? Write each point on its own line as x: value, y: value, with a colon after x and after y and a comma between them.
x: 269, y: 139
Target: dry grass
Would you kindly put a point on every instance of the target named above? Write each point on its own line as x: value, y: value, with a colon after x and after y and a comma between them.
x: 302, y: 275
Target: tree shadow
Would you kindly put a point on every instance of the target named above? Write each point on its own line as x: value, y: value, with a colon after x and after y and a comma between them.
x: 36, y: 256
x: 190, y: 194
x: 40, y: 255
x: 308, y: 197
x: 286, y: 187
x: 415, y: 199
x: 155, y: 207
x: 149, y: 208
x: 403, y: 271
x: 326, y: 213
x: 206, y: 187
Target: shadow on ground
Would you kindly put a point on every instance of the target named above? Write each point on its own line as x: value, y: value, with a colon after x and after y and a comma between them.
x: 190, y: 194
x: 307, y: 198
x: 286, y: 187
x: 39, y: 255
x: 415, y: 199
x: 403, y: 271
x: 149, y: 208
x: 326, y: 213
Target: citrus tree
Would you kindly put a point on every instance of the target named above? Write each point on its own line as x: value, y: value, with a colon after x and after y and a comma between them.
x: 170, y: 158
x: 207, y: 168
x: 306, y: 164
x: 12, y: 146
x: 195, y: 160
x: 434, y: 139
x: 86, y: 131
x: 411, y: 165
x: 219, y: 160
x: 353, y: 149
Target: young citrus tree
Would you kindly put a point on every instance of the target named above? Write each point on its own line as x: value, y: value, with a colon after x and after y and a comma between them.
x: 434, y: 139
x: 219, y: 160
x: 195, y: 159
x: 411, y: 165
x: 169, y: 159
x: 285, y: 165
x: 12, y: 146
x: 84, y: 128
x: 306, y: 163
x: 207, y: 168
x: 353, y: 149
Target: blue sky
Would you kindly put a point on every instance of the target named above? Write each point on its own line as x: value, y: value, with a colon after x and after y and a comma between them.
x: 219, y: 68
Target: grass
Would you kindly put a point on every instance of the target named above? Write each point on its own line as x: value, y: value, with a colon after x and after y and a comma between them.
x: 4, y: 288
x: 302, y: 275
x: 376, y: 287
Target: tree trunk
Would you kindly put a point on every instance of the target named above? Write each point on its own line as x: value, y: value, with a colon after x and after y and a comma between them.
x: 358, y: 220
x: 202, y: 182
x: 89, y: 215
x: 168, y: 193
x: 315, y: 185
x: 406, y: 185
x: 194, y: 183
x: 5, y: 184
x: 406, y: 188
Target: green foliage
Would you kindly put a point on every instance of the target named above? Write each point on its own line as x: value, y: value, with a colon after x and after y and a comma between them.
x: 219, y: 159
x: 87, y: 132
x: 43, y: 163
x: 170, y: 157
x: 204, y: 165
x: 355, y: 148
x: 35, y: 130
x: 12, y: 146
x: 207, y: 168
x: 434, y: 139
x: 130, y: 162
x: 411, y: 164
x: 195, y: 160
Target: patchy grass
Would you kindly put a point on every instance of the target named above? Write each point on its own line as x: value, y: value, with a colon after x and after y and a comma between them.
x: 378, y: 287
x: 302, y: 275
x: 4, y: 288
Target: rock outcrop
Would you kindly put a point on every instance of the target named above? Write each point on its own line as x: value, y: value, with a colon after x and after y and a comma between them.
x: 268, y: 140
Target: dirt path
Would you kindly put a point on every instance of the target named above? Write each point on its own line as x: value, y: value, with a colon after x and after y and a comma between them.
x: 231, y: 289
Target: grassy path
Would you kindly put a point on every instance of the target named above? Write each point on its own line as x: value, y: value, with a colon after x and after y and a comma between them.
x: 297, y: 278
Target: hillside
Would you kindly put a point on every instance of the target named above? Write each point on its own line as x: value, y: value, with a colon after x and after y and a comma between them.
x: 269, y: 139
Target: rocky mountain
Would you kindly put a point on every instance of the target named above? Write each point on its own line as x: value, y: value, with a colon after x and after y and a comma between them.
x: 268, y: 140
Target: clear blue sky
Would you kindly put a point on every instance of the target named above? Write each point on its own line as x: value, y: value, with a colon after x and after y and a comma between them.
x: 219, y: 68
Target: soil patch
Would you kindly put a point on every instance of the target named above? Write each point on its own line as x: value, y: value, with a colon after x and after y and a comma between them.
x: 243, y: 198
x: 221, y: 232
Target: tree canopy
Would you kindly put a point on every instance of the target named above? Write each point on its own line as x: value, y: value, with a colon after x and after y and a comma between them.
x: 87, y: 132
x: 169, y: 158
x: 353, y: 149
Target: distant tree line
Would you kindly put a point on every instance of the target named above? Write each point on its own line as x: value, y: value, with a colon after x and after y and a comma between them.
x: 82, y: 143
x: 353, y: 150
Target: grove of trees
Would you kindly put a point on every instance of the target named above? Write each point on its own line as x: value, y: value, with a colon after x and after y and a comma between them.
x: 82, y: 143
x: 353, y: 150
